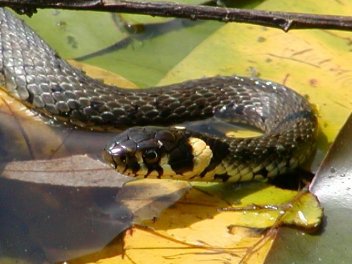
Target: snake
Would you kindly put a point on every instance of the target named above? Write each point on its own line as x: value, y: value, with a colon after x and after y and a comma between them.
x: 151, y: 144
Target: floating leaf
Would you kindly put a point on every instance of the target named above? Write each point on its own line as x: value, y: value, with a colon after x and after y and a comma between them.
x: 197, y: 228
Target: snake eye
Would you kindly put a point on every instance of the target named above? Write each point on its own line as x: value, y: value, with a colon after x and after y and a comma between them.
x: 151, y: 156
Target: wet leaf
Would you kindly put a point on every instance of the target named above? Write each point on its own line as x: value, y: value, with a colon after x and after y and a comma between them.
x: 66, y: 204
x: 333, y: 187
x: 306, y: 212
x: 77, y: 196
x: 203, y: 227
x: 266, y: 205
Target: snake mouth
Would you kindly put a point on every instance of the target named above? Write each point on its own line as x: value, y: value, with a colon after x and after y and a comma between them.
x: 109, y: 160
x: 125, y: 163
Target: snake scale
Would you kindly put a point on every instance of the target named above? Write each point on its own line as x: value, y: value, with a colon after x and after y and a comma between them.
x: 34, y: 74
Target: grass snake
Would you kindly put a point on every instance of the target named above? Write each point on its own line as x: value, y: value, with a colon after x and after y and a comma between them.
x: 150, y: 147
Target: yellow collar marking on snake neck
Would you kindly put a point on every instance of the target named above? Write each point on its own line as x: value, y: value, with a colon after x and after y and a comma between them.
x: 202, y: 155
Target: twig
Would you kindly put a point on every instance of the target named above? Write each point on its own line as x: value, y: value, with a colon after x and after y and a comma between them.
x: 282, y: 20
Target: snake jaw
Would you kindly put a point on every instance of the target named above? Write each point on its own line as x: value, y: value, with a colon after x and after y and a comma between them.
x: 115, y: 156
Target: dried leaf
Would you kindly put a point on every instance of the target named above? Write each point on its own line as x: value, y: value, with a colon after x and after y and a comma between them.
x: 78, y: 171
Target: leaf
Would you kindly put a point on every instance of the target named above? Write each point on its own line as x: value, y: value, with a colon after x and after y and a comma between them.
x: 56, y: 201
x: 332, y: 185
x: 316, y: 63
x: 147, y: 198
x: 78, y: 171
x: 138, y: 61
x: 70, y: 208
x: 196, y: 229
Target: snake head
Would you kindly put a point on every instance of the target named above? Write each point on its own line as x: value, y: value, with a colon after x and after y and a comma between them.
x: 153, y: 152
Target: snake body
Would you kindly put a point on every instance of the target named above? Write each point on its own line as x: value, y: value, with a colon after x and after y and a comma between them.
x: 34, y: 74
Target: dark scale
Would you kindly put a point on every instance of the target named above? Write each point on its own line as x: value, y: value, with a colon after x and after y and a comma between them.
x: 181, y: 158
x: 222, y: 177
x: 220, y: 150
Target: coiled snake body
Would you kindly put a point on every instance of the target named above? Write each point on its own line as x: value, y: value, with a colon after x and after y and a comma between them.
x: 33, y: 73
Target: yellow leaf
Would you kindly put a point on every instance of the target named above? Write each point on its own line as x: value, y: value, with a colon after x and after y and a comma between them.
x: 316, y: 63
x: 196, y: 228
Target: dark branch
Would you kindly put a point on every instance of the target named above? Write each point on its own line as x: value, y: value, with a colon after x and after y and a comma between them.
x: 282, y: 20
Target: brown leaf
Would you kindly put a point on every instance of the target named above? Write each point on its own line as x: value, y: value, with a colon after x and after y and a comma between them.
x: 78, y: 171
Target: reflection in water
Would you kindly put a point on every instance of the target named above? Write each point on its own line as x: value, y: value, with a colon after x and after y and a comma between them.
x: 51, y: 222
x: 140, y: 32
x: 42, y: 222
x: 46, y: 221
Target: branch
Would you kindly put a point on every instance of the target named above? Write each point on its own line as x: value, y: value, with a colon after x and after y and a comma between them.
x: 282, y: 20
